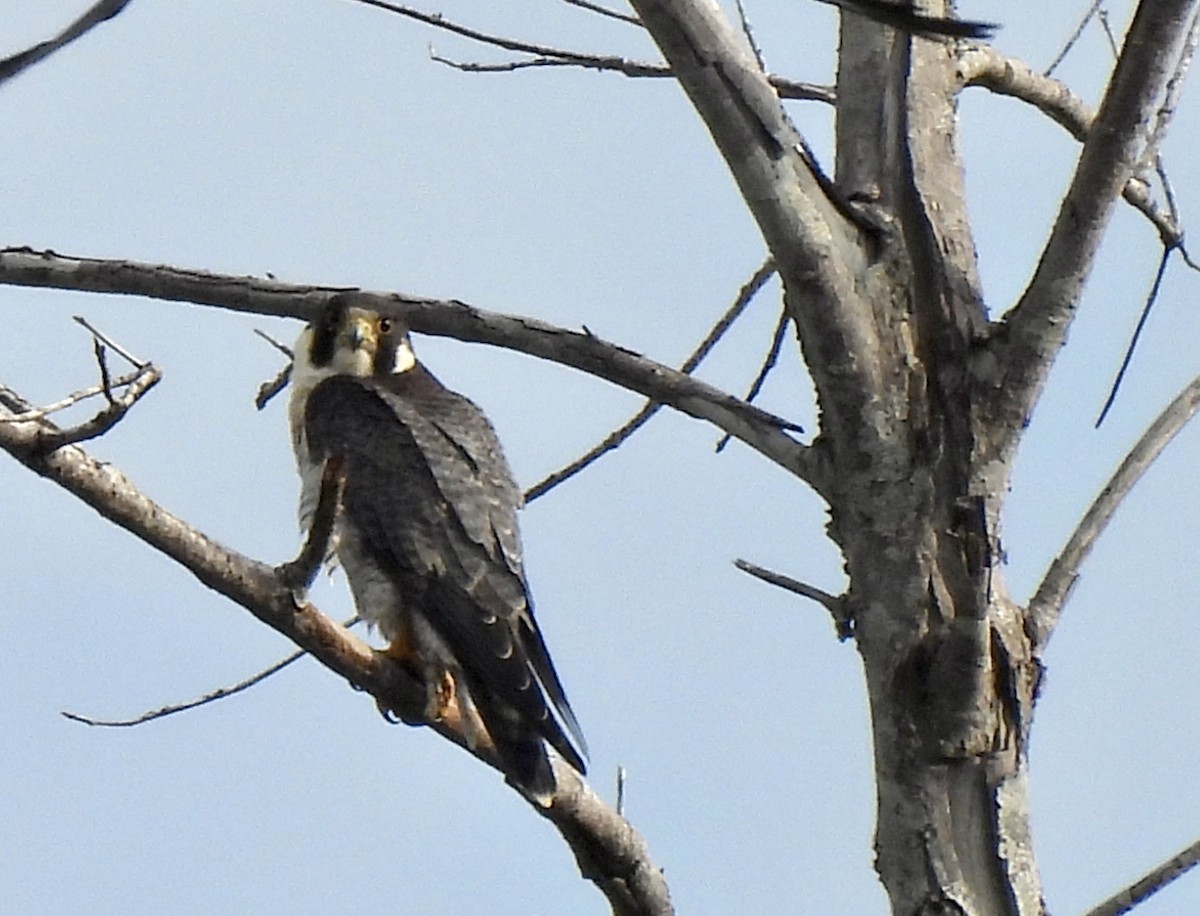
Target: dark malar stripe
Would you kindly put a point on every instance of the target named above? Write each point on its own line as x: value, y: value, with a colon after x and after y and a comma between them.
x: 325, y: 332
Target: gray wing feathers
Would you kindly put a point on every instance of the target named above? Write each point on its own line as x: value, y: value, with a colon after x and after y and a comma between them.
x: 459, y: 554
x: 466, y: 460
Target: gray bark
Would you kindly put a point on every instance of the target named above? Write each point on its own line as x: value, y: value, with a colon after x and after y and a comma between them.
x: 922, y: 400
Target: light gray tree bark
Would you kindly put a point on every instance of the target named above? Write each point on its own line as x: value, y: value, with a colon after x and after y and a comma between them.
x: 923, y: 398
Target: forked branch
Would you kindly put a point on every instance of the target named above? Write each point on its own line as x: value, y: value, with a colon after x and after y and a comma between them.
x: 986, y: 67
x: 1037, y: 326
x: 541, y: 55
x: 614, y: 439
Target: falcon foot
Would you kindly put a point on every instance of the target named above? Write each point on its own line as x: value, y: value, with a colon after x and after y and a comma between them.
x: 296, y: 575
x: 442, y: 705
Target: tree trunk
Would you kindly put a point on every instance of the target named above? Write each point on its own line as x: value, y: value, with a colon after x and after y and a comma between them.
x: 949, y: 669
x: 923, y: 399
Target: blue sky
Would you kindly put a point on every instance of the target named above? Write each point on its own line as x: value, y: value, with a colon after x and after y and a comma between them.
x: 319, y: 143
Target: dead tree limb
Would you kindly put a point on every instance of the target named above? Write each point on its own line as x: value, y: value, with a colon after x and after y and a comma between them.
x: 97, y: 13
x: 581, y: 350
x: 1050, y: 596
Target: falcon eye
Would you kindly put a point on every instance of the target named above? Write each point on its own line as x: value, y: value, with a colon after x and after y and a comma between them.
x: 385, y: 325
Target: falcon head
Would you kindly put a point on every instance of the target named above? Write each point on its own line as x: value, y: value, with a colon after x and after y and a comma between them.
x: 351, y: 341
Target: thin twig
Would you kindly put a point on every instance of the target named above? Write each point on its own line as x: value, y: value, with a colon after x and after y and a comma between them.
x: 605, y: 11
x: 1151, y: 298
x: 105, y: 378
x: 744, y: 297
x: 220, y: 693
x: 110, y: 343
x: 1170, y: 102
x: 1160, y: 169
x: 1066, y: 49
x: 559, y: 58
x: 437, y: 20
x: 53, y: 438
x: 1150, y: 883
x: 1051, y: 595
x: 795, y: 90
x: 1187, y: 257
x: 744, y: 19
x: 69, y: 401
x: 281, y: 347
x: 769, y: 362
x: 267, y: 390
x: 135, y: 386
x: 835, y: 604
x: 507, y: 66
x: 621, y: 791
x: 96, y: 14
x: 1113, y: 44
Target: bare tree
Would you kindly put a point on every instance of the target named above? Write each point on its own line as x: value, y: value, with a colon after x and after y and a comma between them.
x: 924, y: 389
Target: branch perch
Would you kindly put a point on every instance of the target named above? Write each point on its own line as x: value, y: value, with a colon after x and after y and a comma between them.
x: 759, y: 429
x: 609, y: 850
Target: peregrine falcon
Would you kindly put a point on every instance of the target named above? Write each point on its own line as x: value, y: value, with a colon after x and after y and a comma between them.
x: 426, y: 530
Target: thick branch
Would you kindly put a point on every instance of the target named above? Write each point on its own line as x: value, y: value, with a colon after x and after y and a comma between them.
x: 816, y: 246
x: 986, y: 67
x: 609, y: 850
x: 584, y: 351
x: 1047, y: 602
x: 1037, y: 326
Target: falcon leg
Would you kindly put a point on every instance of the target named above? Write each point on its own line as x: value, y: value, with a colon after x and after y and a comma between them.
x: 443, y: 699
x: 445, y: 704
x: 299, y: 573
x: 454, y: 709
x: 400, y: 650
x: 440, y: 691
